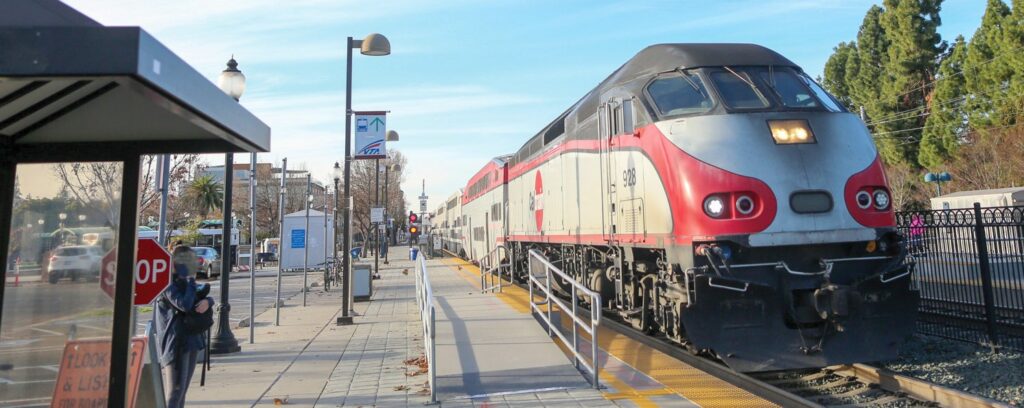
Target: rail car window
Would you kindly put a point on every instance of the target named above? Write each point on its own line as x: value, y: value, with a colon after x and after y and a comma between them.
x: 790, y: 90
x: 680, y: 94
x: 738, y: 89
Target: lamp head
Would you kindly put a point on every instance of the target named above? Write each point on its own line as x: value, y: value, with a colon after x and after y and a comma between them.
x: 231, y: 80
x: 391, y: 136
x: 337, y: 172
x: 375, y: 45
x: 929, y: 178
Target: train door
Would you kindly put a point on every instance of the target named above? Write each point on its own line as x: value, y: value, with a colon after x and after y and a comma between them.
x: 607, y: 170
x: 625, y: 164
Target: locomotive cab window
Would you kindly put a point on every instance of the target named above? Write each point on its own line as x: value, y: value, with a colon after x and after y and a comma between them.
x: 788, y: 88
x: 680, y: 94
x: 737, y: 89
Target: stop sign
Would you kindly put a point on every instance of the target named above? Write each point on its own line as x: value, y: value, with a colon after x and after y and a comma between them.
x: 152, y: 271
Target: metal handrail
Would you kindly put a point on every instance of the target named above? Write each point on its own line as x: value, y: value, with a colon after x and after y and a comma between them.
x: 487, y: 275
x: 425, y: 301
x: 544, y: 288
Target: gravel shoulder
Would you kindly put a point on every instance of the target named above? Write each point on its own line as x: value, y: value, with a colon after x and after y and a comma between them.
x: 964, y: 366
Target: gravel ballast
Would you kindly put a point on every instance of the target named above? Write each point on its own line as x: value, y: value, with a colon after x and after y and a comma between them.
x: 964, y: 366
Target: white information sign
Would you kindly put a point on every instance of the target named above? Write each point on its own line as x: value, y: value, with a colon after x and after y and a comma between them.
x: 377, y: 215
x: 371, y: 128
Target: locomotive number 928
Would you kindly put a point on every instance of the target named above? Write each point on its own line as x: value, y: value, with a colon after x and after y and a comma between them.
x: 713, y: 193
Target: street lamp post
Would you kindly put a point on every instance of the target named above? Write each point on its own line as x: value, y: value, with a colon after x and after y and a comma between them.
x: 387, y: 201
x: 232, y: 82
x: 62, y: 216
x: 305, y: 239
x: 345, y: 317
x: 372, y: 45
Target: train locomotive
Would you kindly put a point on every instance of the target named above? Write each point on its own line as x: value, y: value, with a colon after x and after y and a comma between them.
x: 713, y: 194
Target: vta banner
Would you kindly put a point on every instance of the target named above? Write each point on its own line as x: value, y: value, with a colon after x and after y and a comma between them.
x: 371, y: 129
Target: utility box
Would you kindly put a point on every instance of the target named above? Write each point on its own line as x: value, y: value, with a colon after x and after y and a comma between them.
x: 362, y: 282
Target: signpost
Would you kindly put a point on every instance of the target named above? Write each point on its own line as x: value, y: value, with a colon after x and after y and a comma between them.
x: 371, y: 128
x: 152, y: 271
x: 377, y: 215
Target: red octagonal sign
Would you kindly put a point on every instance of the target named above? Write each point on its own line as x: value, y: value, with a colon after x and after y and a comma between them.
x: 152, y: 271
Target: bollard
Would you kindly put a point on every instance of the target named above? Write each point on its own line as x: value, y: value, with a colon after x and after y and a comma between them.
x: 17, y: 271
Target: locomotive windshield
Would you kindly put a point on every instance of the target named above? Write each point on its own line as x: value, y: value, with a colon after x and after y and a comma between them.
x: 759, y: 88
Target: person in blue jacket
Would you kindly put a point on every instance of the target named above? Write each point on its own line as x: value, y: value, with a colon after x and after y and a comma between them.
x: 179, y: 349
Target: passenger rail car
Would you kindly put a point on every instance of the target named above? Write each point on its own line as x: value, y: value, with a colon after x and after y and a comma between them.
x: 716, y: 194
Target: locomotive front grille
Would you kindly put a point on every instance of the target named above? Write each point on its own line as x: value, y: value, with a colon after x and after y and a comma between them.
x: 810, y: 202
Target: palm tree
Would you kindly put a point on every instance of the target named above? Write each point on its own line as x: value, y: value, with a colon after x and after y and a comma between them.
x: 206, y: 194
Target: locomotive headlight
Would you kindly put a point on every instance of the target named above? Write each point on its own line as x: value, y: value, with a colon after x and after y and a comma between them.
x: 714, y: 206
x: 863, y: 199
x: 881, y: 199
x: 792, y: 131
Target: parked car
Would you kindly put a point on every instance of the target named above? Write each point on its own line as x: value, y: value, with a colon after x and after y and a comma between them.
x: 75, y: 262
x: 209, y: 261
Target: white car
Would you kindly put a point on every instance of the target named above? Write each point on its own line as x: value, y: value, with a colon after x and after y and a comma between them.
x: 75, y: 262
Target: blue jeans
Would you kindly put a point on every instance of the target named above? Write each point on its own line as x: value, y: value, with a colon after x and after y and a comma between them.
x: 177, y: 376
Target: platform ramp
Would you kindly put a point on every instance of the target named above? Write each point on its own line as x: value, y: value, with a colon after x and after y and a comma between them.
x: 487, y: 348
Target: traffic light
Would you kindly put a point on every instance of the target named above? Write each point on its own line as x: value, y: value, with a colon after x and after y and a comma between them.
x: 412, y: 218
x: 414, y: 229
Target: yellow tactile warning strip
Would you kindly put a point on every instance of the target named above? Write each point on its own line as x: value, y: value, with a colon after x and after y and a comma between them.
x: 674, y: 376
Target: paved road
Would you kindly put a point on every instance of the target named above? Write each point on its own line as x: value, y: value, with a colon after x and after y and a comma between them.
x: 39, y: 318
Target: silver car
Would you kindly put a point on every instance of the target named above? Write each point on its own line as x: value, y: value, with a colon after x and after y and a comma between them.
x: 209, y: 261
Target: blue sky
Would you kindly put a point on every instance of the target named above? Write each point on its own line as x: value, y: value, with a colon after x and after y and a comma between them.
x: 467, y: 80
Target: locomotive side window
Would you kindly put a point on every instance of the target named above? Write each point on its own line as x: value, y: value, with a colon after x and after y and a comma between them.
x: 681, y: 94
x: 830, y: 102
x: 738, y: 90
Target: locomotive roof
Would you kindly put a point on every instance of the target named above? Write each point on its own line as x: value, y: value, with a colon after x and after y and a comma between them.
x: 666, y: 57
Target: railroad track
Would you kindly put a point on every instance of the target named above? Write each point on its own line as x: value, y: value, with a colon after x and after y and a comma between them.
x: 856, y: 385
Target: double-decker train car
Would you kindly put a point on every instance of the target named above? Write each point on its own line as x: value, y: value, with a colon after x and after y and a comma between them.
x: 446, y: 223
x: 716, y: 194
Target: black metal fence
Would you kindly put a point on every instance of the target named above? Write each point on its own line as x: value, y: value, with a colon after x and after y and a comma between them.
x: 970, y: 271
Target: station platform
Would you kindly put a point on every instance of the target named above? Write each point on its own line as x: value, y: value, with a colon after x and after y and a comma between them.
x: 490, y: 353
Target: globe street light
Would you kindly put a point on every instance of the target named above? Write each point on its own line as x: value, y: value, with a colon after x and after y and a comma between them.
x: 372, y: 45
x: 232, y: 82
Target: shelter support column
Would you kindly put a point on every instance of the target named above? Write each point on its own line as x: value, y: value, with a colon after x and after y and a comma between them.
x: 124, y: 286
x: 8, y: 170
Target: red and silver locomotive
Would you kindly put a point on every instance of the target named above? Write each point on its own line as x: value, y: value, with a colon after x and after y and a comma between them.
x: 716, y: 194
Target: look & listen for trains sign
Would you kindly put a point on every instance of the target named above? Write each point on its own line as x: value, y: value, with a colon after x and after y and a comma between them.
x: 85, y: 371
x: 371, y: 128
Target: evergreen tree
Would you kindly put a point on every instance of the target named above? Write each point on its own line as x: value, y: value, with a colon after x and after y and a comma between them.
x: 947, y: 119
x: 1014, y: 45
x: 835, y: 73
x: 987, y: 68
x: 866, y: 67
x: 913, y: 52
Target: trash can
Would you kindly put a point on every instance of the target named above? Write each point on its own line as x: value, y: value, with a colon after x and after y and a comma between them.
x: 413, y: 252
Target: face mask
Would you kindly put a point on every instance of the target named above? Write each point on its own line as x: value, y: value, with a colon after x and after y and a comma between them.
x: 181, y: 271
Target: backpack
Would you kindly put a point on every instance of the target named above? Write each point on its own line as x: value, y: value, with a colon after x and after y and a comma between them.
x: 197, y: 323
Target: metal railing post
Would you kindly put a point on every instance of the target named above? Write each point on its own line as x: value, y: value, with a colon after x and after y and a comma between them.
x: 430, y: 363
x: 575, y: 334
x: 595, y: 319
x: 547, y: 296
x: 986, y: 275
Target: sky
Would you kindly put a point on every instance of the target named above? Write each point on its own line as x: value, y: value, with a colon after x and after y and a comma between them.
x: 467, y: 80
